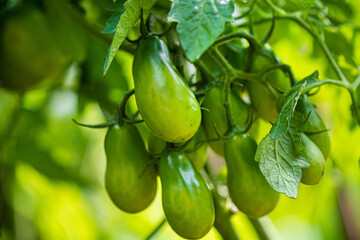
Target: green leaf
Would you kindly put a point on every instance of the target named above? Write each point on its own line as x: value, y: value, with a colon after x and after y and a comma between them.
x: 112, y: 23
x: 117, y: 6
x: 200, y: 22
x: 281, y: 162
x: 291, y: 98
x: 126, y: 22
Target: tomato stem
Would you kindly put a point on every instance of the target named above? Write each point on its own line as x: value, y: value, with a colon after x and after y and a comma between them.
x: 158, y: 227
x: 265, y: 228
x: 222, y: 212
x: 230, y: 73
x: 248, y: 11
x: 101, y: 125
x: 122, y: 109
x: 271, y: 30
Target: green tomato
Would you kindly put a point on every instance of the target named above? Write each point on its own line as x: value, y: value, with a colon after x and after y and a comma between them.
x: 130, y: 189
x: 248, y: 188
x: 28, y: 56
x: 155, y: 145
x: 187, y: 201
x: 198, y: 155
x: 216, y: 115
x: 313, y: 174
x: 263, y: 101
x: 322, y: 140
x: 261, y: 98
x: 167, y: 105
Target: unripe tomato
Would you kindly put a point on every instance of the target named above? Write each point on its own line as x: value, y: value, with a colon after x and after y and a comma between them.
x: 261, y: 98
x: 167, y: 105
x: 313, y: 174
x: 28, y: 54
x: 187, y: 201
x: 248, y: 188
x: 322, y: 140
x: 155, y: 145
x: 129, y: 187
x: 216, y: 114
x: 198, y: 155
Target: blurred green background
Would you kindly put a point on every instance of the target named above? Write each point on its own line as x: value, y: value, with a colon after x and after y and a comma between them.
x: 52, y: 171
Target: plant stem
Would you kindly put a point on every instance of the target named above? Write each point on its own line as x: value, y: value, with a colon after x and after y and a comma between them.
x: 296, y: 17
x: 323, y: 47
x: 240, y: 34
x: 355, y: 105
x: 101, y: 125
x: 265, y: 228
x: 156, y: 229
x: 228, y: 69
x: 222, y: 213
x: 223, y: 221
x: 323, y: 82
x: 122, y: 109
x: 248, y: 11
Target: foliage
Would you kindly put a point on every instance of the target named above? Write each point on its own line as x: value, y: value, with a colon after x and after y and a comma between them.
x: 248, y: 72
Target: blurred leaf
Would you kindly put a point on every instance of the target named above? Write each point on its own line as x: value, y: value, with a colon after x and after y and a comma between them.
x: 34, y: 142
x: 109, y: 90
x: 42, y: 161
x: 339, y: 10
x: 200, y: 23
x: 69, y: 36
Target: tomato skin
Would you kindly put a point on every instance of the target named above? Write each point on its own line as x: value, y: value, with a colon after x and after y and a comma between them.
x: 216, y: 114
x: 198, y: 155
x: 261, y: 98
x: 187, y: 201
x: 313, y: 174
x: 28, y: 56
x: 167, y: 105
x: 322, y: 140
x: 248, y: 188
x: 126, y: 159
x: 155, y: 145
x: 263, y: 101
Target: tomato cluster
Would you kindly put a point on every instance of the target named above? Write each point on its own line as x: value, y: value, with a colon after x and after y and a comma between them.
x: 181, y: 131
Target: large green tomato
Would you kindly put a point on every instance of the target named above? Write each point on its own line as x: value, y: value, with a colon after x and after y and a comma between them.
x: 28, y: 55
x: 261, y: 98
x: 216, y: 115
x: 313, y: 174
x: 322, y: 140
x: 187, y: 201
x: 131, y: 189
x: 248, y: 188
x: 166, y: 103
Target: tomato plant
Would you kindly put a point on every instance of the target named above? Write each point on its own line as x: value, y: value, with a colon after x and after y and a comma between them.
x: 213, y: 111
